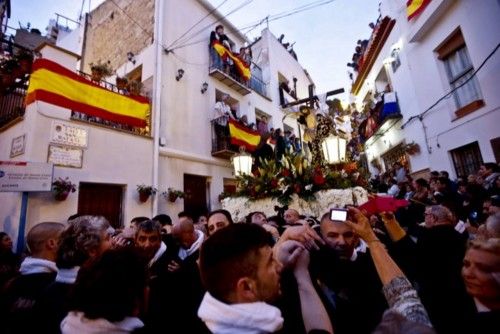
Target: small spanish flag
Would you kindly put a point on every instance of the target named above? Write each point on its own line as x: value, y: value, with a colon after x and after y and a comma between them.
x: 55, y: 84
x: 242, y: 67
x: 243, y: 136
x: 415, y: 7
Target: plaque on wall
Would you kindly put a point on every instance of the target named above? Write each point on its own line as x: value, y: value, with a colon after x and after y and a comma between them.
x: 68, y: 134
x: 65, y: 156
x: 18, y: 146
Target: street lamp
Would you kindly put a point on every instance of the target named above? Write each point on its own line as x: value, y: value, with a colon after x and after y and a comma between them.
x: 334, y: 149
x: 242, y: 163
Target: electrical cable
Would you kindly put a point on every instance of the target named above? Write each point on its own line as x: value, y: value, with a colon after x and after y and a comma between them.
x: 447, y: 95
x: 203, y: 30
x: 194, y: 25
x: 268, y: 18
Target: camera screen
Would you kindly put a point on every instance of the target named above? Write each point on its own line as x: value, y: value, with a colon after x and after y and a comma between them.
x: 338, y: 215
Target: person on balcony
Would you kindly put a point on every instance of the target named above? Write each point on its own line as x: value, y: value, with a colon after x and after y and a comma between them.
x: 262, y: 127
x: 218, y: 36
x: 221, y: 115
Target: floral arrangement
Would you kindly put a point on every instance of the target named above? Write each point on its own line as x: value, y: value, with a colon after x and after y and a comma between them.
x: 62, y: 188
x: 173, y: 194
x: 100, y: 70
x: 145, y: 191
x: 295, y: 175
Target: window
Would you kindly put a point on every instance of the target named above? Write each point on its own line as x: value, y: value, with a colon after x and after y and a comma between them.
x: 459, y: 70
x: 466, y: 159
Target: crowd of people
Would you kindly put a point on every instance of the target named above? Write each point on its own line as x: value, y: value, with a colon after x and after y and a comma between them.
x: 430, y: 267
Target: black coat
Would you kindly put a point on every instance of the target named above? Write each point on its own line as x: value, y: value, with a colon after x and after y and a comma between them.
x: 434, y: 264
x: 357, y: 290
x: 19, y: 300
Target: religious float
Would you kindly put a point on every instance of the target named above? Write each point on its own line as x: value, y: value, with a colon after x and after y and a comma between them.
x: 310, y: 189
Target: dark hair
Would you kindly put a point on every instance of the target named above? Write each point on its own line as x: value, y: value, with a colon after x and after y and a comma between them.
x: 392, y: 181
x: 230, y: 254
x: 422, y: 182
x: 224, y: 212
x: 444, y: 181
x: 137, y: 220
x: 492, y: 166
x: 248, y: 218
x: 111, y: 287
x: 148, y: 226
x: 163, y: 219
x: 76, y: 215
x: 435, y: 173
x: 218, y: 27
x: 445, y: 173
x: 184, y: 214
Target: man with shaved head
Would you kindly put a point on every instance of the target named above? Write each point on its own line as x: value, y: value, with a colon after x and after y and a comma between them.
x: 38, y: 271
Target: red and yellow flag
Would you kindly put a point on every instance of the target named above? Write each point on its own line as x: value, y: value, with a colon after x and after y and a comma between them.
x: 243, y: 136
x: 415, y: 7
x: 242, y: 67
x: 55, y: 84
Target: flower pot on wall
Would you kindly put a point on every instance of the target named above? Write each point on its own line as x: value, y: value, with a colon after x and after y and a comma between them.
x: 143, y: 197
x: 172, y: 197
x: 61, y: 196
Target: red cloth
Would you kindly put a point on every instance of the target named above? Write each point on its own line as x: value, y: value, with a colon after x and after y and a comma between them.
x: 383, y: 203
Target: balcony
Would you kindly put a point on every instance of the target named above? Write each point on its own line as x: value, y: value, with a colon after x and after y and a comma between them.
x: 228, y: 75
x: 221, y: 140
x: 82, y: 117
x: 12, y: 103
x: 381, y: 119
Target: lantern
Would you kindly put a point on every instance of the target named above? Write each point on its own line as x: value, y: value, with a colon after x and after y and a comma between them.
x: 334, y: 149
x: 242, y: 163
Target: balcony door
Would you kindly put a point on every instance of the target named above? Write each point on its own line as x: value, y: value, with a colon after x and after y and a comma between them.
x: 103, y: 200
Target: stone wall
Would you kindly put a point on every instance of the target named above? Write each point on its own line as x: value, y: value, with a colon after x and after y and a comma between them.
x: 111, y: 34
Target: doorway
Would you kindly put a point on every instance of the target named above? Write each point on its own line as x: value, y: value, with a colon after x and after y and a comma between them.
x: 196, y: 199
x: 102, y: 199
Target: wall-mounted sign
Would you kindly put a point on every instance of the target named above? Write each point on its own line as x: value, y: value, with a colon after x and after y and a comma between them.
x: 68, y: 134
x: 65, y: 156
x: 18, y: 146
x: 25, y: 176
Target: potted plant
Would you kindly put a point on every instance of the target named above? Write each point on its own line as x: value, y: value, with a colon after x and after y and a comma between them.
x: 134, y: 87
x: 172, y: 194
x: 145, y: 191
x: 62, y: 188
x: 121, y: 82
x: 100, y: 70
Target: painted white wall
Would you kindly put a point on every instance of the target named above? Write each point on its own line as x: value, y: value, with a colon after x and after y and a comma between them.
x: 421, y: 79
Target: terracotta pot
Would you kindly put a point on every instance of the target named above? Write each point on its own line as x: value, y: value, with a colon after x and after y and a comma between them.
x: 172, y: 197
x: 96, y: 75
x: 61, y: 196
x: 121, y: 83
x: 143, y: 197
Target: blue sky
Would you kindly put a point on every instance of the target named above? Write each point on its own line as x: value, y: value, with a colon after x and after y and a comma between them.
x: 324, y: 37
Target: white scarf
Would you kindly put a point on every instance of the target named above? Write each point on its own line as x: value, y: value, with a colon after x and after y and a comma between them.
x: 33, y: 265
x: 75, y: 322
x: 67, y: 276
x: 159, y: 252
x: 245, y: 318
x: 184, y: 253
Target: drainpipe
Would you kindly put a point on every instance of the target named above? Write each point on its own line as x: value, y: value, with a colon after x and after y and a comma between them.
x: 156, y: 110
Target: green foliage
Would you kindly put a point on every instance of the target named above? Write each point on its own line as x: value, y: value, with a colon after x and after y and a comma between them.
x: 295, y: 175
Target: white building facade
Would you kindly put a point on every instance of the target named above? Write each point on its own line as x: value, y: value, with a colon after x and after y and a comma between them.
x: 178, y: 150
x: 424, y: 59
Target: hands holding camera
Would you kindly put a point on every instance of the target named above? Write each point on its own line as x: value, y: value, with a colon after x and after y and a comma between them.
x: 361, y: 225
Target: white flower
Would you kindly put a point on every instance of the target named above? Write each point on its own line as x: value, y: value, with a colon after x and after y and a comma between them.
x: 308, y: 187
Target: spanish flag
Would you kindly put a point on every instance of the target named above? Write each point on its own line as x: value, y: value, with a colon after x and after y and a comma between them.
x: 55, y: 84
x: 242, y: 67
x: 415, y: 7
x: 243, y: 136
